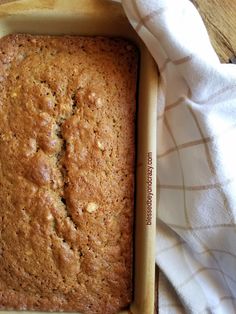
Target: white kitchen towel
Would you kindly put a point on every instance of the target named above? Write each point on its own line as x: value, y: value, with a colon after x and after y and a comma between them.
x: 196, y: 140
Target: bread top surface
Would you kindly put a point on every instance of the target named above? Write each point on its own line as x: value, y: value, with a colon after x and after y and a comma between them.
x: 67, y: 154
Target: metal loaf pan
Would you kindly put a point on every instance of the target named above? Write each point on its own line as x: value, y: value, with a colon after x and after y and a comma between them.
x: 104, y: 17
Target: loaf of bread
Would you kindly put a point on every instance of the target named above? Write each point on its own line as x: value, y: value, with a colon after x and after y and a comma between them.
x: 67, y: 154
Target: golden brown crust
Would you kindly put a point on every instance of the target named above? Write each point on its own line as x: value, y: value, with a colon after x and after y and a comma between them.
x: 67, y: 114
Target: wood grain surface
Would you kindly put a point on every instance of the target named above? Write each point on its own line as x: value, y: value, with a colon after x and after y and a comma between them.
x: 219, y: 17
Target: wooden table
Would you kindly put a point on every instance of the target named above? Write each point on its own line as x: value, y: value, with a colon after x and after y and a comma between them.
x: 220, y: 19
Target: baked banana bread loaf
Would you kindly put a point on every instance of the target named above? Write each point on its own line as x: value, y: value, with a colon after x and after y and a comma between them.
x: 67, y: 154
